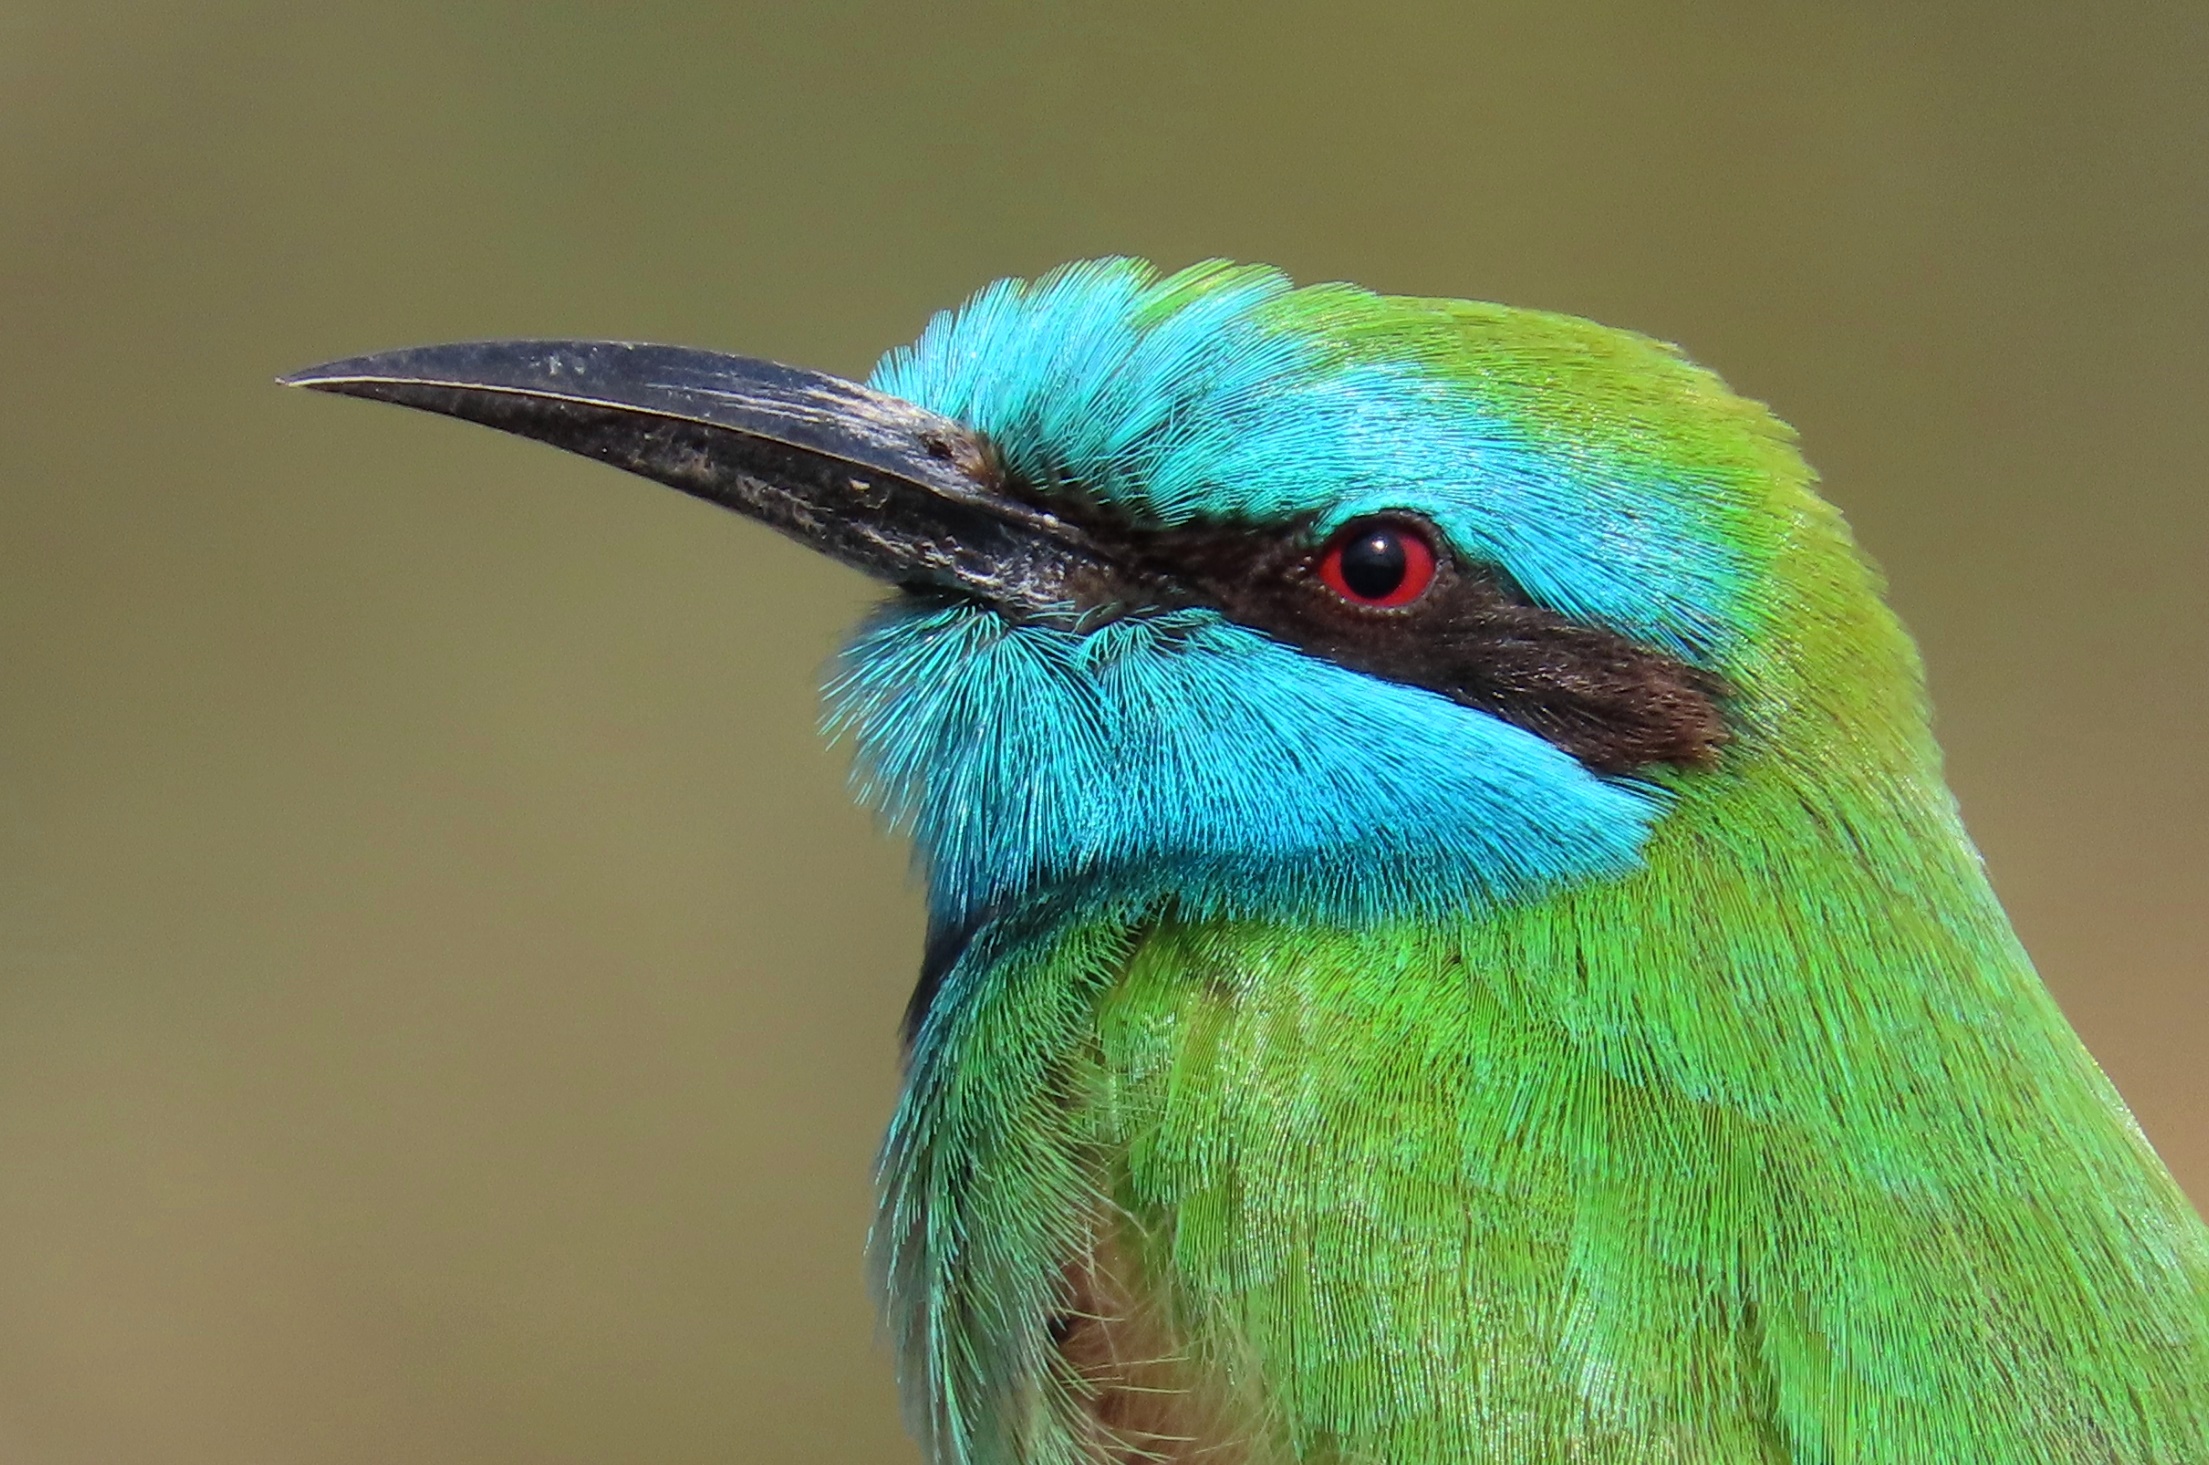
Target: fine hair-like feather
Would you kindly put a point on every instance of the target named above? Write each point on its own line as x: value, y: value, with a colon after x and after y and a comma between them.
x: 1418, y: 1092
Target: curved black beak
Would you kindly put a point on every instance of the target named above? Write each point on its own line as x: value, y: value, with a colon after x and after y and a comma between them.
x: 874, y: 481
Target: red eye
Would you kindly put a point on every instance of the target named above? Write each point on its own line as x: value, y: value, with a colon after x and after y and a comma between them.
x: 1378, y: 563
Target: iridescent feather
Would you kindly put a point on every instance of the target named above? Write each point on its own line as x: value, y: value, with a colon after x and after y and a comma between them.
x: 1353, y: 1076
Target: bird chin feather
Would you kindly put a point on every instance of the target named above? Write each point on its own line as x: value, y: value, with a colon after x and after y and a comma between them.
x: 1182, y: 756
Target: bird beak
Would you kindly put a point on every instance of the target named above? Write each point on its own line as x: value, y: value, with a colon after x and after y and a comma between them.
x: 871, y: 480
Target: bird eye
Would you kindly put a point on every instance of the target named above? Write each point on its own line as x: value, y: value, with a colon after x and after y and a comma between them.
x: 1378, y: 563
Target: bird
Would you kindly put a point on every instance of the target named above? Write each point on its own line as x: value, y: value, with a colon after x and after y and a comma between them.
x: 1448, y: 938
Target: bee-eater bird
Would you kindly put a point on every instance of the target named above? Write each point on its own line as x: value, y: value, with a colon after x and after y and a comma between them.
x: 1449, y: 942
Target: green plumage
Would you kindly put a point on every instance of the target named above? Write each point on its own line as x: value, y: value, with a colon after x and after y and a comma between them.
x: 1449, y: 944
x: 1772, y: 1150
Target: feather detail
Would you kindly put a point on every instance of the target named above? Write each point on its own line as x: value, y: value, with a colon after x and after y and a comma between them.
x: 1328, y: 1075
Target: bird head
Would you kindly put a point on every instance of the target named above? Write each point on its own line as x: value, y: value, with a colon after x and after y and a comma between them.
x: 1267, y: 600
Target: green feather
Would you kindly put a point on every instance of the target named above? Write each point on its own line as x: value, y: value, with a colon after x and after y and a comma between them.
x: 1773, y: 1150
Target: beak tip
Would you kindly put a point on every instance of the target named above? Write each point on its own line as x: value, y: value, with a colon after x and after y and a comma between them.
x: 326, y: 376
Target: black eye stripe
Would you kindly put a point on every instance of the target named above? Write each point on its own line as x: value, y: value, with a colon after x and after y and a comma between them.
x: 1612, y: 702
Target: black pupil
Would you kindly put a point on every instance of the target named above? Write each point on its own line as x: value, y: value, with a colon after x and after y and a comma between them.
x: 1373, y: 564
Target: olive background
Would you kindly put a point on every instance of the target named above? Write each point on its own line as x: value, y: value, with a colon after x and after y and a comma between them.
x: 447, y: 1001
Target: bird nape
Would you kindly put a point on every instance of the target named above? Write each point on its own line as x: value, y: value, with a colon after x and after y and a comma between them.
x: 1448, y: 942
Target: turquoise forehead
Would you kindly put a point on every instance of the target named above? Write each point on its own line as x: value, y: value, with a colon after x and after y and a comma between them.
x: 1223, y: 393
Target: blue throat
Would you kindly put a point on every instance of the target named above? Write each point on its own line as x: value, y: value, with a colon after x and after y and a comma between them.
x: 1180, y: 755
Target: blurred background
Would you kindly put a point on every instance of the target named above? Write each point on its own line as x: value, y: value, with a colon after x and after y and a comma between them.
x: 447, y: 1002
